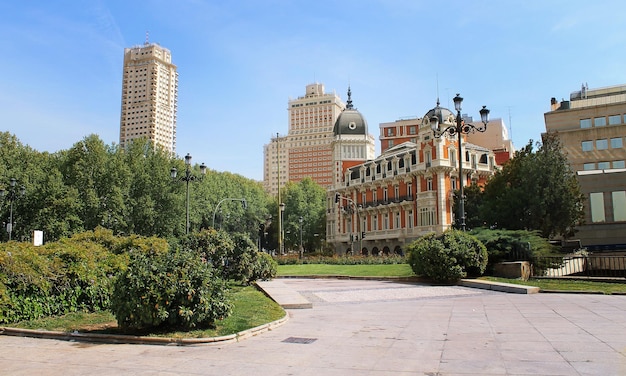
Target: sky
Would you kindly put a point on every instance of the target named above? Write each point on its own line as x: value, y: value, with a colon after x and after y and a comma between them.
x: 241, y: 61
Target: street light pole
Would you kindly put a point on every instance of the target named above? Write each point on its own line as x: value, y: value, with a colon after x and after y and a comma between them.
x: 281, y: 235
x: 12, y: 195
x: 244, y: 203
x: 189, y: 177
x: 459, y: 128
x: 301, y: 245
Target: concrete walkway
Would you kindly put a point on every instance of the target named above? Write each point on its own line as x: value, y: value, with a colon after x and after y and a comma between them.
x: 375, y: 328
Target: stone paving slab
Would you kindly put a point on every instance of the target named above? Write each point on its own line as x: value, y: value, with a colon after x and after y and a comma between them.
x: 499, y: 286
x: 285, y: 296
x: 375, y: 328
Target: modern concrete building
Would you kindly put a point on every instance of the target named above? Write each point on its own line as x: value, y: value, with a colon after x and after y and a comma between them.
x: 149, y: 96
x: 381, y: 205
x: 306, y: 150
x: 591, y: 126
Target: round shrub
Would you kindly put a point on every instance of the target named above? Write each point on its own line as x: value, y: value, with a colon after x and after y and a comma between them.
x: 168, y: 290
x: 265, y: 267
x: 447, y: 257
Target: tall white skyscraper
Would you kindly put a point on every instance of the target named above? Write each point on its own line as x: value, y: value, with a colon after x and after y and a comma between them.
x: 149, y: 96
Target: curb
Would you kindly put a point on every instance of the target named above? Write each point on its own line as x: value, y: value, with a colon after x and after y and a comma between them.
x: 142, y: 340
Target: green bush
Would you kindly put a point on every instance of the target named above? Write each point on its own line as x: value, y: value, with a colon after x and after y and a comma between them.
x: 447, y: 257
x: 168, y: 290
x: 265, y: 267
x: 514, y: 245
x: 70, y: 275
x: 234, y: 256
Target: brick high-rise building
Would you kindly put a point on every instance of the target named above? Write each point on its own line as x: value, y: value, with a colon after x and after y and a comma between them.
x: 306, y: 150
x: 149, y: 96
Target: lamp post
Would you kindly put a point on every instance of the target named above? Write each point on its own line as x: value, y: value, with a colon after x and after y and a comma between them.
x: 12, y: 195
x: 459, y: 129
x: 189, y: 177
x: 244, y: 203
x: 301, y: 245
x: 281, y: 235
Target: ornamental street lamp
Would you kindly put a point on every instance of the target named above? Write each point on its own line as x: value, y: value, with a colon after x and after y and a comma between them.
x: 244, y: 204
x: 12, y: 195
x: 189, y: 177
x: 458, y: 129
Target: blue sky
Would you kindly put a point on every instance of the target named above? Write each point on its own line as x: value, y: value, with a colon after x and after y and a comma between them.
x: 240, y: 61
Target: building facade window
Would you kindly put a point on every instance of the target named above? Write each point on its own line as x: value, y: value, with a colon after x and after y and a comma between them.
x: 604, y: 165
x: 427, y: 217
x: 619, y: 164
x: 619, y: 205
x: 617, y: 143
x: 429, y: 184
x: 409, y: 219
x: 589, y: 166
x: 602, y: 144
x: 596, y: 203
x: 585, y: 123
x: 615, y: 119
x: 599, y: 121
x: 409, y: 190
x: 397, y: 220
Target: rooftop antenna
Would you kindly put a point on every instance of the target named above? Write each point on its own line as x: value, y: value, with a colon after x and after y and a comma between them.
x: 147, y: 37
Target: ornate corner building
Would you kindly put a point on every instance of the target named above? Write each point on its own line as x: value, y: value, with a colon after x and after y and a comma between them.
x: 378, y: 206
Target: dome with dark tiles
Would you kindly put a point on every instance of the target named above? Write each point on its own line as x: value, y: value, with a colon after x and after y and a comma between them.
x: 350, y: 121
x: 445, y: 116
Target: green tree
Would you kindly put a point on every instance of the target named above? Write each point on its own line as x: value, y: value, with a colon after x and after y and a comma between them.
x: 306, y: 200
x: 535, y: 191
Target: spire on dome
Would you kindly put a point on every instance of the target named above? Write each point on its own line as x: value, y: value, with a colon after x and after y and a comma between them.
x: 349, y: 103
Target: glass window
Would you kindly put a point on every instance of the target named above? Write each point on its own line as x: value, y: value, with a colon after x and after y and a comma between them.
x: 619, y: 164
x: 615, y: 119
x: 604, y: 165
x: 587, y: 145
x: 619, y: 205
x: 617, y: 143
x: 586, y: 123
x: 596, y: 202
x: 412, y: 129
x: 602, y: 144
x: 599, y: 121
x: 589, y: 166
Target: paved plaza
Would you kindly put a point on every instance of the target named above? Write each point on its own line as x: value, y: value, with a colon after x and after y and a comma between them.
x: 360, y: 327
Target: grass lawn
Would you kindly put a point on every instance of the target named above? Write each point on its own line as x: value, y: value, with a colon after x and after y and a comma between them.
x: 251, y: 308
x: 391, y: 270
x: 567, y: 285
